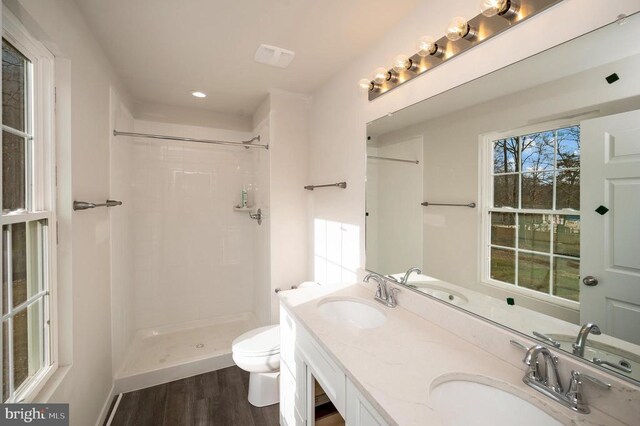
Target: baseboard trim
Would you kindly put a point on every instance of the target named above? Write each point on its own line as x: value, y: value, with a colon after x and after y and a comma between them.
x: 105, y: 408
x: 112, y: 412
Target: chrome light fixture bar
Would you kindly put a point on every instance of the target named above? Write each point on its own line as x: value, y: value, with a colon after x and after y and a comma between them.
x: 497, y: 16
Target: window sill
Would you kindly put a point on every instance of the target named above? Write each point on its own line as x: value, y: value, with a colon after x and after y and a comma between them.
x: 529, y: 299
x: 50, y: 385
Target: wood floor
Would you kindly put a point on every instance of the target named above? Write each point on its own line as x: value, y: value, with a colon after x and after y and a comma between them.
x: 217, y: 398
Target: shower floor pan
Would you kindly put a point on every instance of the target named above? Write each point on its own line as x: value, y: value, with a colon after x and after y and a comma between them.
x: 163, y: 354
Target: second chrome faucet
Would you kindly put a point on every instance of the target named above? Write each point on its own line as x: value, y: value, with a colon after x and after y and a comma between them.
x: 544, y: 377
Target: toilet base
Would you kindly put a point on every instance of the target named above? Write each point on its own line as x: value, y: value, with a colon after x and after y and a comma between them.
x: 263, y: 389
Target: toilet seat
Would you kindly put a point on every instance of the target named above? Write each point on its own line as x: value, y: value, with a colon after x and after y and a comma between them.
x: 260, y: 342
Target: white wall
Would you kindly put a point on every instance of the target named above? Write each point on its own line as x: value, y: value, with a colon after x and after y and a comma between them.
x: 85, y: 78
x: 192, y: 253
x: 262, y: 240
x: 394, y: 194
x: 122, y: 259
x: 339, y: 113
x: 163, y: 113
x: 289, y: 171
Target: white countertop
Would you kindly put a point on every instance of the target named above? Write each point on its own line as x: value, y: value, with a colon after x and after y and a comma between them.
x: 395, y: 365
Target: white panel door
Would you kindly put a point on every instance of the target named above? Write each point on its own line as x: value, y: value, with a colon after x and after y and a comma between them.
x: 610, y: 242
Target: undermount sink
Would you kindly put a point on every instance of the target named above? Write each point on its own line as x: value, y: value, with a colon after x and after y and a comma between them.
x: 355, y: 312
x: 441, y: 293
x: 463, y: 402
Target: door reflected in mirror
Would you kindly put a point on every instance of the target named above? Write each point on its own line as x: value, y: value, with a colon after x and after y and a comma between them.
x: 517, y: 196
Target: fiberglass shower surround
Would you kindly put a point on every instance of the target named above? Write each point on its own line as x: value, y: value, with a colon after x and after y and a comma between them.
x: 195, y: 279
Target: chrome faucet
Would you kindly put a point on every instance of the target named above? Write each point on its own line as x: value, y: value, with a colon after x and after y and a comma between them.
x: 384, y: 295
x: 407, y: 274
x: 581, y: 341
x: 545, y: 379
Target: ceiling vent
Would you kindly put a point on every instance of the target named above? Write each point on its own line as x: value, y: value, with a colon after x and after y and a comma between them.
x: 274, y: 56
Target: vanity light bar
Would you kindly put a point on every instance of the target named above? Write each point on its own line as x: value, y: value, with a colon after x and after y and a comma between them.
x: 459, y: 39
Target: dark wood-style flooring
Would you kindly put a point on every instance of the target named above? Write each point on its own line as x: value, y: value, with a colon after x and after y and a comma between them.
x: 217, y: 398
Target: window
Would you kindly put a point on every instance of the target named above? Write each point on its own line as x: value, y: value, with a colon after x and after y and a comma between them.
x: 27, y: 219
x: 532, y: 212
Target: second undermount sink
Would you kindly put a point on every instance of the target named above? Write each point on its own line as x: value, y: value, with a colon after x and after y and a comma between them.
x: 352, y: 311
x: 462, y: 402
x: 441, y: 293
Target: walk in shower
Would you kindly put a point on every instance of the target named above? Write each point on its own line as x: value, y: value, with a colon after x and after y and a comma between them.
x: 189, y: 264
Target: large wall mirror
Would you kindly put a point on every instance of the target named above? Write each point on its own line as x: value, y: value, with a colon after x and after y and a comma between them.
x: 517, y: 197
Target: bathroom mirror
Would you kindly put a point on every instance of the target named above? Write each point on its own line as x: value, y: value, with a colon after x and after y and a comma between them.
x: 517, y: 196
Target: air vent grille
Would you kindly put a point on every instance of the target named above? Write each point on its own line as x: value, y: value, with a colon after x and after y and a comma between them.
x: 274, y: 56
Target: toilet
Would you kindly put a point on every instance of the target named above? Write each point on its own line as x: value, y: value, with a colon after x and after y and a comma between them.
x: 258, y: 352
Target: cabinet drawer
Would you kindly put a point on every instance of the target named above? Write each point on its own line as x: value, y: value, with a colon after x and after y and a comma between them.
x: 326, y: 372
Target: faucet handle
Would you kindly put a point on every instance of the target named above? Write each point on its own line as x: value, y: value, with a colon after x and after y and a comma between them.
x: 519, y: 345
x: 577, y: 376
x: 391, y: 298
x: 575, y: 394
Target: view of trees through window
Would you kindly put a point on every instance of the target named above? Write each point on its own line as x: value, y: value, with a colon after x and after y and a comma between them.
x: 535, y: 212
x: 24, y: 327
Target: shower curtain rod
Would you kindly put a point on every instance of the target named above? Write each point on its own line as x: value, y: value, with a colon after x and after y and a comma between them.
x: 245, y: 144
x: 400, y: 160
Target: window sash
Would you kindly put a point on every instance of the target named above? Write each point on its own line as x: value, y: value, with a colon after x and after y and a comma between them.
x: 487, y: 196
x: 39, y: 205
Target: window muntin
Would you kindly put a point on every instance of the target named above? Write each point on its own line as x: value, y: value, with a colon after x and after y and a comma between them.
x: 27, y: 212
x: 534, y: 219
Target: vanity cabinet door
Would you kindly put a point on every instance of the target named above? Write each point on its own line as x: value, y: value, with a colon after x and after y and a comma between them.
x: 293, y: 375
x: 287, y: 340
x: 359, y: 410
x: 324, y: 370
x: 289, y: 415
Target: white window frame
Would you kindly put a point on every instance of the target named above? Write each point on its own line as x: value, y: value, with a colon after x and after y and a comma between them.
x: 41, y: 192
x: 485, y: 196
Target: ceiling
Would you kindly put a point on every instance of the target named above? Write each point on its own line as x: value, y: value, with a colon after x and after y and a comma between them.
x: 164, y: 49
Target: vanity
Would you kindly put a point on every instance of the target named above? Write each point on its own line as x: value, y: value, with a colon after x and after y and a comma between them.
x: 390, y: 366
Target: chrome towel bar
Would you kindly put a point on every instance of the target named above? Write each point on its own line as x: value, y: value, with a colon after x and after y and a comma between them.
x: 84, y: 205
x: 470, y: 205
x: 342, y: 185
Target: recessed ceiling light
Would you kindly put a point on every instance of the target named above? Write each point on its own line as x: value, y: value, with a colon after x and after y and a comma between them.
x: 199, y: 94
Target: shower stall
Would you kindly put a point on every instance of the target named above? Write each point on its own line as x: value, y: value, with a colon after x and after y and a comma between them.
x: 190, y: 267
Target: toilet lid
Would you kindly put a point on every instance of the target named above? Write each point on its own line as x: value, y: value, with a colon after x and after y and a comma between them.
x: 258, y: 342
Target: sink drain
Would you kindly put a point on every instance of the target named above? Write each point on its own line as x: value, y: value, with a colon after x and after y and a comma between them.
x: 200, y: 345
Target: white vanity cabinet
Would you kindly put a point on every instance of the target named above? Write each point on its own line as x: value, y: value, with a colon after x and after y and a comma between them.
x: 302, y: 363
x: 359, y: 410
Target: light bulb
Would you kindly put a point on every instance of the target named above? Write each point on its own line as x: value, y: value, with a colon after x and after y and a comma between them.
x: 427, y: 46
x: 491, y: 8
x: 504, y: 8
x: 401, y: 63
x: 459, y: 28
x: 380, y: 75
x: 365, y: 84
x: 199, y: 94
